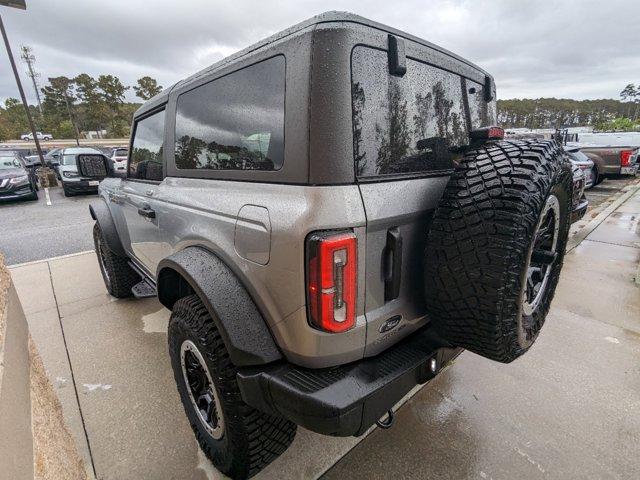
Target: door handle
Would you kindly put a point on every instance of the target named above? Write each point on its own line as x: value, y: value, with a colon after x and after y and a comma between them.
x: 392, y: 264
x: 115, y: 198
x: 147, y: 212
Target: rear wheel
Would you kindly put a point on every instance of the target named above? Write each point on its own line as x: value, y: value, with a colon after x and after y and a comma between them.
x: 238, y: 439
x: 34, y: 191
x: 117, y: 274
x: 496, y: 246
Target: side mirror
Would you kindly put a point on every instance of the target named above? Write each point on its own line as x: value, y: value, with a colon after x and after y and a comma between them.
x: 94, y: 165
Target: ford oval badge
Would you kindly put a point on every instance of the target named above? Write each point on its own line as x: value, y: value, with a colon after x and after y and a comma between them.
x: 390, y: 324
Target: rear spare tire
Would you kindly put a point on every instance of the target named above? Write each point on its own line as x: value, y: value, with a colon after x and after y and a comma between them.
x: 496, y: 245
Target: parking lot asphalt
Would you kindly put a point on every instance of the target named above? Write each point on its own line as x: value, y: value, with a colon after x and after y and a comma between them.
x: 32, y: 230
x: 570, y: 408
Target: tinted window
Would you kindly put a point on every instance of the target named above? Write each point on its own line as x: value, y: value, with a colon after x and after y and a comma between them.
x: 146, y: 157
x: 235, y: 122
x: 578, y: 156
x: 413, y: 123
x: 68, y: 159
x: 8, y: 162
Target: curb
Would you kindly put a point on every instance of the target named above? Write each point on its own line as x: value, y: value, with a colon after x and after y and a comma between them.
x: 580, y: 235
x: 16, y: 436
x: 50, y: 259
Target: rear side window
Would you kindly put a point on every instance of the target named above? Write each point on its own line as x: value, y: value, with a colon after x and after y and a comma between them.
x: 409, y: 124
x: 146, y: 154
x: 235, y: 122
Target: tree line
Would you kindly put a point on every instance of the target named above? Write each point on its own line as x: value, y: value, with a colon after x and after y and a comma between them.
x: 71, y: 106
x: 606, y: 114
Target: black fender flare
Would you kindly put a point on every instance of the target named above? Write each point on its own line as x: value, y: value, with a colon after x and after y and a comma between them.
x: 242, y: 327
x: 100, y: 213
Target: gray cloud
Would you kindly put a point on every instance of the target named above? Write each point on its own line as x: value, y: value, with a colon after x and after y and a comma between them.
x: 572, y: 49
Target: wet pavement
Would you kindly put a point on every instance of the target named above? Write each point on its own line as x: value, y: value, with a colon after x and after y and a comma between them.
x: 35, y: 231
x: 570, y: 408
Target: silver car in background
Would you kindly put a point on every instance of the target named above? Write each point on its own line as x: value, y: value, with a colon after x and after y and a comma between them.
x: 584, y: 163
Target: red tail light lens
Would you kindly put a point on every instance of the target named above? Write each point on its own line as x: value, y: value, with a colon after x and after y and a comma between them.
x: 487, y: 133
x: 331, y: 280
x: 625, y: 158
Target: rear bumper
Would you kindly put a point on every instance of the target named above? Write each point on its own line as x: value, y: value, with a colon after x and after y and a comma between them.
x: 348, y: 399
x: 81, y: 186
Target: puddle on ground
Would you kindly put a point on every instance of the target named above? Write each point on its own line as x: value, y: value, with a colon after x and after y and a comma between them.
x: 61, y: 382
x: 156, y: 322
x: 92, y: 387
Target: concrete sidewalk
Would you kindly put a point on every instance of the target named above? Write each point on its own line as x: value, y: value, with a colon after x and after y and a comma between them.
x: 568, y: 409
x: 117, y: 391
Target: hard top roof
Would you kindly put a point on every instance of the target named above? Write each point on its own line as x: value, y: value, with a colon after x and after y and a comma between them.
x: 331, y: 16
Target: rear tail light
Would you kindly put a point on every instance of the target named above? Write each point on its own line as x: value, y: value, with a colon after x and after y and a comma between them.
x: 625, y: 158
x: 487, y: 133
x: 331, y: 280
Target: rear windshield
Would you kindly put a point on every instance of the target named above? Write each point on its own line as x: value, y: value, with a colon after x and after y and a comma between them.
x: 578, y: 156
x: 410, y: 124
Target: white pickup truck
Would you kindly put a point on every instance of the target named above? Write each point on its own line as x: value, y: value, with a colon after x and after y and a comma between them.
x: 41, y: 136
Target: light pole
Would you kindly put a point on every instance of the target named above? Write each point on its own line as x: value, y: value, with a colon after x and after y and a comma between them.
x: 22, y: 6
x: 29, y: 58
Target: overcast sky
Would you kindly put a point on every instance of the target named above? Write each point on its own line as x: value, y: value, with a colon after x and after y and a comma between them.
x: 570, y: 49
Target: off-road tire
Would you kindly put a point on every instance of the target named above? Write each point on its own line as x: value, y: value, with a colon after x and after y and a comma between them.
x: 118, y: 275
x: 251, y: 439
x: 480, y: 242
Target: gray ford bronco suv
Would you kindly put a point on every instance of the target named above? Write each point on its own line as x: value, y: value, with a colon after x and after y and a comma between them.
x: 331, y: 217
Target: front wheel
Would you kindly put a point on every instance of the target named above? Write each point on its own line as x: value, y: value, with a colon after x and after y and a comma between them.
x: 238, y: 439
x: 117, y: 274
x: 594, y: 178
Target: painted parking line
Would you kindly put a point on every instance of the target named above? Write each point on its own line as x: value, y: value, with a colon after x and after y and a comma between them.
x: 46, y: 194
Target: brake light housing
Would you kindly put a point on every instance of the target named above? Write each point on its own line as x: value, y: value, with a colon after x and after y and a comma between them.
x: 332, y: 269
x: 625, y: 158
x: 487, y: 133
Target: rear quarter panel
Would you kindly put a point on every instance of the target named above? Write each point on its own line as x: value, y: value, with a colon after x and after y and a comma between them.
x: 606, y: 159
x: 199, y: 212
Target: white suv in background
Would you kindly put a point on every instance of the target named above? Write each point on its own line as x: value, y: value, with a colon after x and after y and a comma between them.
x: 119, y: 158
